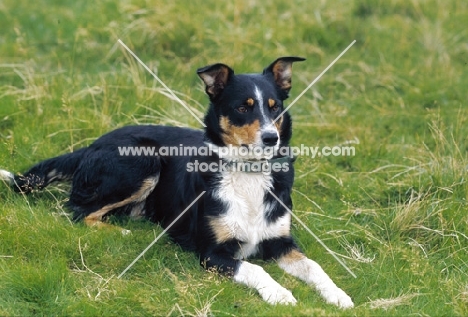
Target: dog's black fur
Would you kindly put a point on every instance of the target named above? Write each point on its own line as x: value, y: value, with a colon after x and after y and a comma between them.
x: 242, y: 108
x: 100, y: 176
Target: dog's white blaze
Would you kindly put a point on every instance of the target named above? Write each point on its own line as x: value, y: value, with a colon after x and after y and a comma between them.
x: 259, y: 97
x: 245, y: 217
x: 267, y: 125
x: 271, y: 291
x: 265, y: 119
x: 311, y: 273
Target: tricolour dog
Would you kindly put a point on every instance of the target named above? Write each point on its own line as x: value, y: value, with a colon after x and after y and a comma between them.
x: 243, y: 172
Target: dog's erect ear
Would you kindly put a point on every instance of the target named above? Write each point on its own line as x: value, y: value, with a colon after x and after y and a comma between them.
x: 215, y: 78
x: 281, y: 69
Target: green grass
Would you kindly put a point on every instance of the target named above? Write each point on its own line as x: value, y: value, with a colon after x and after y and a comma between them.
x: 395, y: 212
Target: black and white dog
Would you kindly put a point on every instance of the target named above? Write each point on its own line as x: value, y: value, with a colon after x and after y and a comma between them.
x: 238, y: 216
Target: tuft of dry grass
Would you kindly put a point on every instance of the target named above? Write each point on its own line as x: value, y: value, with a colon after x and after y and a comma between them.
x: 390, y: 303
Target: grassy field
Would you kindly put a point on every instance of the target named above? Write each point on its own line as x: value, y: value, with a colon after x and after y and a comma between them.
x: 396, y: 212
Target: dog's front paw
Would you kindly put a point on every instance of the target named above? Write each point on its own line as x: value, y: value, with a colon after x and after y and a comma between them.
x: 338, y: 297
x: 278, y: 295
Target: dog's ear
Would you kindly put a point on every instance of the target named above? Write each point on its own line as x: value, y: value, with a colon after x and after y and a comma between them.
x: 281, y: 69
x: 215, y: 77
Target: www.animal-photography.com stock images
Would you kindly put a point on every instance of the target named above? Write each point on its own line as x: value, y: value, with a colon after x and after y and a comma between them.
x: 238, y: 158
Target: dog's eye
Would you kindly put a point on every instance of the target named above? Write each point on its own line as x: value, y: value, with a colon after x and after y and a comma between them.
x: 275, y: 108
x: 242, y: 109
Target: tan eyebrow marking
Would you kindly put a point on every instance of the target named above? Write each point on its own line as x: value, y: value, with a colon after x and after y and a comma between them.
x: 250, y: 102
x: 271, y: 102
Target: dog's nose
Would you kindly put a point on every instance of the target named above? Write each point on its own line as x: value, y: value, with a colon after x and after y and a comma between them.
x: 269, y: 138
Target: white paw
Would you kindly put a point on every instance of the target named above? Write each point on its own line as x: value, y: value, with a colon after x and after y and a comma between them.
x: 338, y: 297
x: 277, y: 295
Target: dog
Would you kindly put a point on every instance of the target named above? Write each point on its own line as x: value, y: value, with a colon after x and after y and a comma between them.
x: 242, y: 212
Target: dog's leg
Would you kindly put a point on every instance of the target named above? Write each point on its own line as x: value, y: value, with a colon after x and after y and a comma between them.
x: 94, y: 219
x: 243, y: 272
x: 271, y: 291
x: 297, y: 264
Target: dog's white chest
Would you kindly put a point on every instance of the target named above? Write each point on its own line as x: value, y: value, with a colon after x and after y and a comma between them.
x: 245, y: 219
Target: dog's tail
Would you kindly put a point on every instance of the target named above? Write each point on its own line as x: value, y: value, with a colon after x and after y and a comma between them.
x: 42, y: 174
x: 7, y: 177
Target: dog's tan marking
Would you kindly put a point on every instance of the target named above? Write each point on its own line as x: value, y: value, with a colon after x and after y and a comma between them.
x: 271, y: 103
x: 95, y: 219
x: 238, y: 135
x: 221, y: 231
x: 224, y: 233
x: 291, y: 257
x: 250, y: 102
x: 138, y: 211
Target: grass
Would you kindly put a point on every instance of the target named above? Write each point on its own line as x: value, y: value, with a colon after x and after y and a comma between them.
x: 395, y: 212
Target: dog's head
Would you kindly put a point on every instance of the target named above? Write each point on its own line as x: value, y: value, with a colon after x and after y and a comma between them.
x: 245, y: 108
